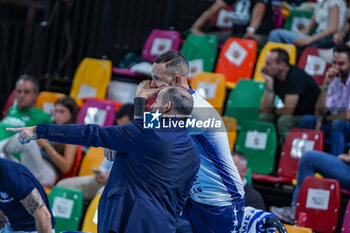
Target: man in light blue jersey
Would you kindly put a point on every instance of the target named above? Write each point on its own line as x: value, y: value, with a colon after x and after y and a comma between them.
x: 216, y: 201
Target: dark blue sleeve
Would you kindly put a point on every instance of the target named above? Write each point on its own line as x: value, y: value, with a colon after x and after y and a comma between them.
x: 22, y: 184
x: 120, y: 138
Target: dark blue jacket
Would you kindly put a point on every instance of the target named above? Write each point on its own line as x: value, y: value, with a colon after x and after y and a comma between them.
x: 151, y: 176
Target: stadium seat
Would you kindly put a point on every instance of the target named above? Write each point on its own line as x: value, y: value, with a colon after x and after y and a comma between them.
x: 96, y: 111
x: 200, y: 51
x: 9, y: 102
x: 74, y: 171
x: 157, y: 43
x: 46, y: 101
x: 313, y: 64
x: 90, y: 219
x: 297, y: 142
x: 211, y: 87
x: 258, y: 141
x: 319, y: 198
x: 92, y: 159
x: 297, y: 20
x: 291, y: 49
x: 67, y: 206
x: 231, y: 127
x: 160, y: 41
x: 296, y: 229
x: 224, y: 20
x: 236, y: 60
x: 91, y: 79
x: 346, y: 220
x: 244, y: 101
x: 277, y: 17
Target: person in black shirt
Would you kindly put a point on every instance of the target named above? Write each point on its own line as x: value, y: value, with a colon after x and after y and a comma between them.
x: 297, y: 90
x: 247, y: 18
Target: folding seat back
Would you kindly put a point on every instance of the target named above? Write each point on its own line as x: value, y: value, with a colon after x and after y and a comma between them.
x: 236, y: 60
x: 231, y: 127
x: 224, y: 19
x: 297, y: 20
x: 9, y: 102
x: 313, y: 64
x: 211, y: 87
x: 92, y: 158
x: 96, y: 111
x: 90, y: 219
x: 67, y: 206
x: 74, y: 171
x: 257, y: 140
x: 319, y: 198
x: 291, y: 49
x: 296, y: 144
x: 91, y: 79
x: 160, y: 41
x: 46, y: 101
x: 296, y: 229
x: 346, y: 220
x: 200, y: 52
x: 244, y: 101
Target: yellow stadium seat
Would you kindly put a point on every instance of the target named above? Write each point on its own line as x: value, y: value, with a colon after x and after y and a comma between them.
x: 212, y: 87
x: 91, y: 79
x: 46, y: 101
x: 231, y: 127
x: 90, y: 219
x: 296, y: 229
x: 93, y: 158
x: 291, y: 49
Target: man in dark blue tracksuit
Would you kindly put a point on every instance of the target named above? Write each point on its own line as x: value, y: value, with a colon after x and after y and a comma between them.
x: 153, y: 170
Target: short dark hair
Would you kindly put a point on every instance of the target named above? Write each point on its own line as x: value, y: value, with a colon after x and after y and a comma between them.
x: 181, y: 99
x: 282, y: 55
x: 125, y: 110
x: 343, y: 48
x: 175, y: 63
x: 72, y: 106
x: 31, y: 78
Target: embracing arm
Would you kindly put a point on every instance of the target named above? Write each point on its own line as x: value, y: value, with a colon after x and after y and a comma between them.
x: 35, y: 206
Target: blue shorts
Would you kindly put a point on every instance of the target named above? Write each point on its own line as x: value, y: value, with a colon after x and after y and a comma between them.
x: 214, y: 219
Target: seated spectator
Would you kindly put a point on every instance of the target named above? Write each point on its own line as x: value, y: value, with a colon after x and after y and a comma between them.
x: 24, y: 206
x: 333, y: 103
x: 297, y: 90
x: 24, y: 113
x: 247, y: 20
x: 48, y: 160
x: 327, y: 165
x: 92, y: 185
x: 328, y: 18
x: 252, y: 197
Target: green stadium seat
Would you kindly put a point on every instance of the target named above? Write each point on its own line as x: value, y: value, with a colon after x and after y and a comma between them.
x: 297, y: 20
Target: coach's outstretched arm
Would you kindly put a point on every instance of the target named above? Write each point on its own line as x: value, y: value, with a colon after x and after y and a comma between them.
x: 113, y: 137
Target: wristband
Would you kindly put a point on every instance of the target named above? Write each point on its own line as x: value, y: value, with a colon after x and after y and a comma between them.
x: 250, y: 29
x: 139, y: 106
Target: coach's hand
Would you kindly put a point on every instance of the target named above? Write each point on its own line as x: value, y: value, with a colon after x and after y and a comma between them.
x: 26, y: 134
x: 145, y: 90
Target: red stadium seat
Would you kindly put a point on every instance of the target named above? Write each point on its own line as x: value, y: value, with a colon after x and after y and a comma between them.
x: 313, y: 64
x: 9, y: 102
x: 236, y: 60
x: 319, y: 198
x: 298, y: 141
x: 346, y: 220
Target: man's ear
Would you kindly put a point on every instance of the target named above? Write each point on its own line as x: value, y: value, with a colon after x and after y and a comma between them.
x: 178, y: 79
x: 167, y: 107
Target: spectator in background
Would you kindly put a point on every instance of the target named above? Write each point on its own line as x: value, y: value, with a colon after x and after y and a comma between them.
x: 297, y: 90
x: 252, y: 19
x: 333, y: 104
x: 92, y: 185
x: 49, y: 160
x: 328, y: 18
x: 24, y: 113
x: 327, y: 165
x: 252, y: 197
x: 24, y: 206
